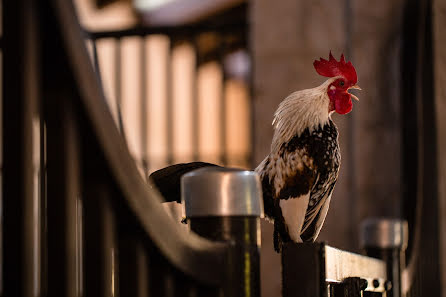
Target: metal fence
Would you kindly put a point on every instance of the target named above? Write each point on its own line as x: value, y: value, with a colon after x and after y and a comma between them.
x: 86, y: 223
x: 207, y: 43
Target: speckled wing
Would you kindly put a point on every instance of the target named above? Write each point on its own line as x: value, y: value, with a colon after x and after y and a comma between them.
x: 315, y: 215
x: 304, y: 168
x: 294, y: 191
x: 287, y: 179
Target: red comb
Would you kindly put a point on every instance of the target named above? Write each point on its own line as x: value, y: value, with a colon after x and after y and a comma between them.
x: 332, y: 68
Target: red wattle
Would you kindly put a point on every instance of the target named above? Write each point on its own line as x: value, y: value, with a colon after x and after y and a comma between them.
x: 343, y: 106
x: 342, y: 101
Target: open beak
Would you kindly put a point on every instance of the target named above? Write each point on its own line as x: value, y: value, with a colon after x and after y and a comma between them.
x: 356, y: 87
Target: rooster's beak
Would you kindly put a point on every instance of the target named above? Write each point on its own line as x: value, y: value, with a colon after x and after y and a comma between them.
x: 356, y: 87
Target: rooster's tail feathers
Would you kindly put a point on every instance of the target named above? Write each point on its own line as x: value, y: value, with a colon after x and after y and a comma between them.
x: 168, y: 179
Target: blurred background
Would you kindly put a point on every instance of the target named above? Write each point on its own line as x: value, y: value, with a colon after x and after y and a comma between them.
x: 189, y: 80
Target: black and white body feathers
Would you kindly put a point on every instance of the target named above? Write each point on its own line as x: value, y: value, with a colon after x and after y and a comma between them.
x: 297, y: 198
x: 299, y: 174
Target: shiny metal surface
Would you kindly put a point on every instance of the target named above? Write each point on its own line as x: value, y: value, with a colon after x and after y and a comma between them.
x: 340, y: 265
x: 384, y: 233
x: 308, y: 268
x: 221, y: 192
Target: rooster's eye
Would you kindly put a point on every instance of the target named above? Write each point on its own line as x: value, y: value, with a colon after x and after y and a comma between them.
x: 341, y: 83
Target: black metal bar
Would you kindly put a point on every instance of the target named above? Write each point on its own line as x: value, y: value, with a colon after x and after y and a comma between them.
x: 169, y: 281
x: 96, y: 61
x: 143, y: 109
x: 101, y: 251
x: 251, y: 94
x: 21, y: 86
x: 430, y: 244
x: 195, y: 103
x: 223, y: 110
x: 133, y: 267
x: 410, y: 80
x: 43, y: 204
x: 169, y: 104
x: 420, y: 150
x: 118, y: 86
x: 156, y: 264
x: 64, y: 188
x: 63, y: 181
x: 64, y: 165
x: 187, y: 30
x: 306, y: 278
x: 188, y: 287
x: 243, y: 262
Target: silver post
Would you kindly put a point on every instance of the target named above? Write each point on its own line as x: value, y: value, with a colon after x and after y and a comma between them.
x: 226, y: 205
x: 216, y: 191
x: 387, y: 239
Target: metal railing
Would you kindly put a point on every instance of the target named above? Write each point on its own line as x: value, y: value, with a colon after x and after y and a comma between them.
x: 89, y: 225
x: 316, y: 269
x: 210, y: 43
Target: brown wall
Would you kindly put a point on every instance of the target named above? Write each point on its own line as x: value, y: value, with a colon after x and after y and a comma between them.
x: 287, y: 36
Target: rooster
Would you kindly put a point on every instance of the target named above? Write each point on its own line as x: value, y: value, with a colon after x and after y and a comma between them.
x: 300, y: 172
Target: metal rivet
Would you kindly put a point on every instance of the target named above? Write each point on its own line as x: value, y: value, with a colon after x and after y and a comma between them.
x: 363, y: 284
x: 388, y: 285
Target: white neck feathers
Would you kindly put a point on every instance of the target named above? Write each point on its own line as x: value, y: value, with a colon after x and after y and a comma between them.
x: 301, y: 110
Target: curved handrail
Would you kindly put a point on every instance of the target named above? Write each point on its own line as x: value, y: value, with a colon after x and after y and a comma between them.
x: 182, y: 249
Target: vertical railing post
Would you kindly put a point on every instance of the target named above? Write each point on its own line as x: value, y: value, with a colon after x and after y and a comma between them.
x: 100, y: 230
x: 20, y: 243
x: 386, y: 239
x: 226, y: 205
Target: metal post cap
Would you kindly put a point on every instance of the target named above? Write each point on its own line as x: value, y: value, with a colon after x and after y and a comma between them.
x: 216, y: 191
x: 384, y: 233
